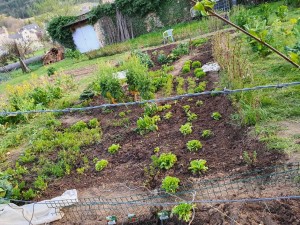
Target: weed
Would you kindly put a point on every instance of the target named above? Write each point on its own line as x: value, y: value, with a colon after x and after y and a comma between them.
x: 170, y: 184
x: 147, y: 124
x: 100, y: 165
x: 168, y: 115
x: 164, y: 161
x: 198, y: 166
x: 156, y: 150
x: 196, y: 64
x: 114, y: 148
x: 186, y: 129
x: 216, y: 116
x: 207, y: 133
x: 194, y: 145
x: 183, y: 211
x: 250, y: 159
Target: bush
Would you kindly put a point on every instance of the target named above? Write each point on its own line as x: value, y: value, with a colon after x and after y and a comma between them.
x: 199, y: 73
x: 144, y: 58
x: 207, y: 133
x: 196, y: 64
x: 147, y: 124
x: 114, y: 148
x: 100, y: 165
x: 73, y: 54
x: 194, y: 145
x: 183, y: 211
x: 164, y: 161
x: 216, y: 115
x: 198, y: 166
x: 186, y: 129
x: 170, y: 184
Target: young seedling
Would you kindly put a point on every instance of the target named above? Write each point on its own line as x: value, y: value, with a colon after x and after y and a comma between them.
x: 250, y: 159
x: 207, y: 133
x: 114, y: 148
x: 216, y: 115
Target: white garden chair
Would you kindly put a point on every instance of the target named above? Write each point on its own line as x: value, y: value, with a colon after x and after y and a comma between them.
x: 168, y: 34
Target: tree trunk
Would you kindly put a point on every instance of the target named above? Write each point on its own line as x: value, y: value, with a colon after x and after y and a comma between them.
x: 122, y: 26
x: 24, y: 67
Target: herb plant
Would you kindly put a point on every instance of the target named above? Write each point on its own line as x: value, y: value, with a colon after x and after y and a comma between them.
x: 170, y: 184
x: 194, y: 145
x: 216, y: 115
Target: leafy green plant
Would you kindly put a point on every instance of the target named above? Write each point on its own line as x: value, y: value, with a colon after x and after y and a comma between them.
x: 94, y: 123
x: 216, y: 115
x: 73, y: 54
x: 198, y: 166
x: 150, y: 109
x: 204, y: 7
x: 198, y: 42
x: 191, y: 116
x: 186, y: 129
x: 282, y: 12
x: 191, y: 84
x: 199, y: 73
x: 29, y: 194
x: 144, y: 58
x: 122, y: 114
x: 100, y: 165
x: 79, y: 126
x: 170, y: 184
x: 194, y: 145
x: 164, y: 161
x: 183, y: 211
x: 250, y: 159
x: 265, y: 11
x: 201, y: 87
x: 168, y: 115
x: 196, y: 64
x: 207, y: 133
x: 86, y: 95
x: 162, y: 59
x: 186, y: 69
x: 199, y: 103
x: 114, y: 148
x: 164, y: 107
x: 168, y: 87
x: 147, y: 124
x: 180, y: 50
x: 156, y: 150
x: 186, y: 108
x: 40, y: 183
x: 51, y: 71
x: 180, y: 86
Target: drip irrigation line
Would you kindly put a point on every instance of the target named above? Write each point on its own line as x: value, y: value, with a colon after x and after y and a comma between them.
x: 178, y: 97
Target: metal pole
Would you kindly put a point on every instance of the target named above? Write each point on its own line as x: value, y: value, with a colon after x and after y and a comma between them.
x: 257, y: 39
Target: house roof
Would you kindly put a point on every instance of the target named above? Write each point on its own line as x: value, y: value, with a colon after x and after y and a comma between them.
x: 32, y: 26
x: 81, y: 18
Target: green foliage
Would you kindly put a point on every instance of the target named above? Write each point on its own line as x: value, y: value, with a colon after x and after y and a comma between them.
x: 100, y: 165
x: 168, y: 115
x: 295, y: 3
x: 186, y: 129
x: 207, y: 133
x: 282, y: 12
x: 122, y: 114
x: 164, y: 107
x: 164, y: 161
x: 40, y: 183
x: 86, y: 95
x: 180, y: 86
x: 114, y: 148
x: 170, y: 184
x: 51, y: 71
x: 100, y: 11
x: 79, y: 126
x: 58, y: 32
x: 194, y: 145
x: 265, y: 11
x: 216, y: 116
x: 192, y: 85
x: 198, y: 42
x: 144, y: 58
x: 162, y: 59
x: 183, y: 211
x: 73, y: 54
x: 150, y: 109
x: 186, y: 108
x: 147, y: 124
x: 240, y: 16
x: 204, y: 7
x: 196, y: 64
x: 198, y: 166
x: 186, y: 69
x: 29, y: 194
x: 201, y: 87
x: 250, y: 159
x: 199, y: 73
x: 168, y: 87
x: 180, y: 50
x: 199, y: 103
x: 94, y: 123
x: 44, y: 96
x: 191, y: 116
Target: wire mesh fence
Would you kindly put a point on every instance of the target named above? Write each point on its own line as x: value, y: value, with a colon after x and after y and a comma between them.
x: 261, y: 185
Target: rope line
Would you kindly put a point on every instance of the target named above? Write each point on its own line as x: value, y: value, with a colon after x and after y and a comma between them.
x: 178, y: 97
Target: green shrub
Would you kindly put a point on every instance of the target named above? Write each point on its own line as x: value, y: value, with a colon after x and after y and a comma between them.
x: 207, y: 133
x: 164, y: 161
x: 184, y: 211
x: 79, y: 126
x: 100, y: 165
x: 198, y: 166
x: 114, y: 148
x: 94, y: 123
x: 40, y: 183
x: 144, y: 58
x: 186, y: 129
x: 170, y: 184
x: 194, y: 145
x: 147, y: 124
x: 196, y: 64
x: 199, y: 73
x: 29, y: 194
x: 216, y: 115
x: 51, y: 71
